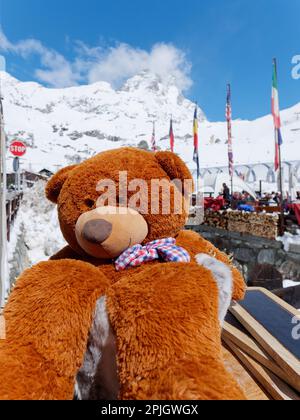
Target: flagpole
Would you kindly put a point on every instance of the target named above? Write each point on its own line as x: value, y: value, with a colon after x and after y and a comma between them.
x: 198, y: 177
x: 171, y: 135
x: 196, y: 146
x: 229, y: 132
x: 281, y: 187
x: 3, y: 227
x: 278, y: 142
x: 153, y: 140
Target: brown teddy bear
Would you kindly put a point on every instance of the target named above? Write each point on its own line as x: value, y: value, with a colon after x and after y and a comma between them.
x: 133, y: 307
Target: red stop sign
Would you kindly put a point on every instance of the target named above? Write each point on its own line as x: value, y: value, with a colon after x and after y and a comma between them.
x: 18, y: 148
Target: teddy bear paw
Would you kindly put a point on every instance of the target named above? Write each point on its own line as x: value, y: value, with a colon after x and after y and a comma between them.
x: 223, y: 277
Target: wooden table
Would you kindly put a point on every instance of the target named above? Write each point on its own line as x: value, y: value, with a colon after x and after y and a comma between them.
x: 252, y: 391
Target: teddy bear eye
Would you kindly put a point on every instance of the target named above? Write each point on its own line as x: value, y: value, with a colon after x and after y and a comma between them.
x: 89, y: 203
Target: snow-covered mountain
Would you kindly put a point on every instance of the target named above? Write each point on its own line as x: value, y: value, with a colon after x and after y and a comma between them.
x: 62, y: 126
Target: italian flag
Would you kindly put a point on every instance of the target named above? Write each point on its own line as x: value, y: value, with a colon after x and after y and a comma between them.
x: 276, y: 116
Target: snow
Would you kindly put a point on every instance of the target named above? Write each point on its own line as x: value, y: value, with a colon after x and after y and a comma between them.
x: 290, y: 283
x: 37, y: 220
x: 15, y: 232
x: 289, y: 239
x: 61, y: 126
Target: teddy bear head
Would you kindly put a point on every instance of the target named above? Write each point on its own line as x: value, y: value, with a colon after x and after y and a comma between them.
x: 121, y: 198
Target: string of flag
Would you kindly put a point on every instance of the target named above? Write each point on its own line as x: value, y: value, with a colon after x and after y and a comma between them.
x: 196, y: 142
x: 229, y: 130
x: 276, y: 116
x: 172, y: 138
x: 277, y: 126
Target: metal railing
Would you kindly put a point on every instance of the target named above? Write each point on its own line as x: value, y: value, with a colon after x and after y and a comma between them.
x: 12, y: 206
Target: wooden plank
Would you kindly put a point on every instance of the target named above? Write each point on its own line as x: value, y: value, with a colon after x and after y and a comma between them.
x: 273, y: 385
x: 251, y: 389
x: 246, y: 343
x: 275, y: 315
x: 231, y: 320
x: 274, y: 344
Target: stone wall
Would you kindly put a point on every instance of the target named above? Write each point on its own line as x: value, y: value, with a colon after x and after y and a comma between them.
x: 263, y: 262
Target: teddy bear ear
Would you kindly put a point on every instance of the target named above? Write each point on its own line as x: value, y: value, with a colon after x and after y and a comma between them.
x: 173, y: 166
x: 56, y: 183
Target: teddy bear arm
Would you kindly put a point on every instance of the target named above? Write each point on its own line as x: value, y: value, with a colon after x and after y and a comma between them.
x: 49, y: 314
x: 195, y: 244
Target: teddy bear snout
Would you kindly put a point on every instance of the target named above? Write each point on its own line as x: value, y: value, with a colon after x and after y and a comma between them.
x: 106, y: 232
x: 97, y: 231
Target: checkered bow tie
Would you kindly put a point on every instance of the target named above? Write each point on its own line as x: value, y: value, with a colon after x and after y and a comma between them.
x: 162, y: 249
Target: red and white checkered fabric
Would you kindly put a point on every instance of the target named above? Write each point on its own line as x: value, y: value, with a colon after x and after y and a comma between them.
x: 162, y: 249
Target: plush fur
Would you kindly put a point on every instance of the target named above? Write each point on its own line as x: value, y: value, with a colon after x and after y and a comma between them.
x: 169, y: 335
x: 164, y: 318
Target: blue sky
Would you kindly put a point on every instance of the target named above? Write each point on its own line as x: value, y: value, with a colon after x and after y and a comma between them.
x: 208, y: 43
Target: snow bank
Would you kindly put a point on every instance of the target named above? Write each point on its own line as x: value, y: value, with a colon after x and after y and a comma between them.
x: 289, y: 239
x: 37, y: 220
x: 290, y: 283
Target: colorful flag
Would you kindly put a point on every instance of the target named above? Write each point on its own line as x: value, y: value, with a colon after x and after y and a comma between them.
x: 229, y: 118
x: 196, y: 142
x: 153, y: 141
x: 276, y: 116
x: 172, y: 138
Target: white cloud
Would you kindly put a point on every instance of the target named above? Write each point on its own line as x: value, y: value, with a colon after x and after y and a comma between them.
x: 56, y: 71
x: 91, y: 64
x: 118, y: 63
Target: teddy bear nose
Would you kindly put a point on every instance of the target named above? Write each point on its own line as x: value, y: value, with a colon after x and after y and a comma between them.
x: 97, y: 231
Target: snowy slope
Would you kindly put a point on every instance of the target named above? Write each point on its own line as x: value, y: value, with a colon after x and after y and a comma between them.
x: 61, y: 126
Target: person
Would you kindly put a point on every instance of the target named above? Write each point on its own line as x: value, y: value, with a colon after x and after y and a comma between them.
x: 226, y: 192
x: 277, y: 198
x: 247, y: 198
x: 298, y: 195
x: 265, y: 200
x: 236, y: 200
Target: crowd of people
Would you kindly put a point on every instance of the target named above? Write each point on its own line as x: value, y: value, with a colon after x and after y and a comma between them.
x: 237, y: 199
x: 263, y: 201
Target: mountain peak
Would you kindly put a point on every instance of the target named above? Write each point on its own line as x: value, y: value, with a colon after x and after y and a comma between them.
x: 152, y: 82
